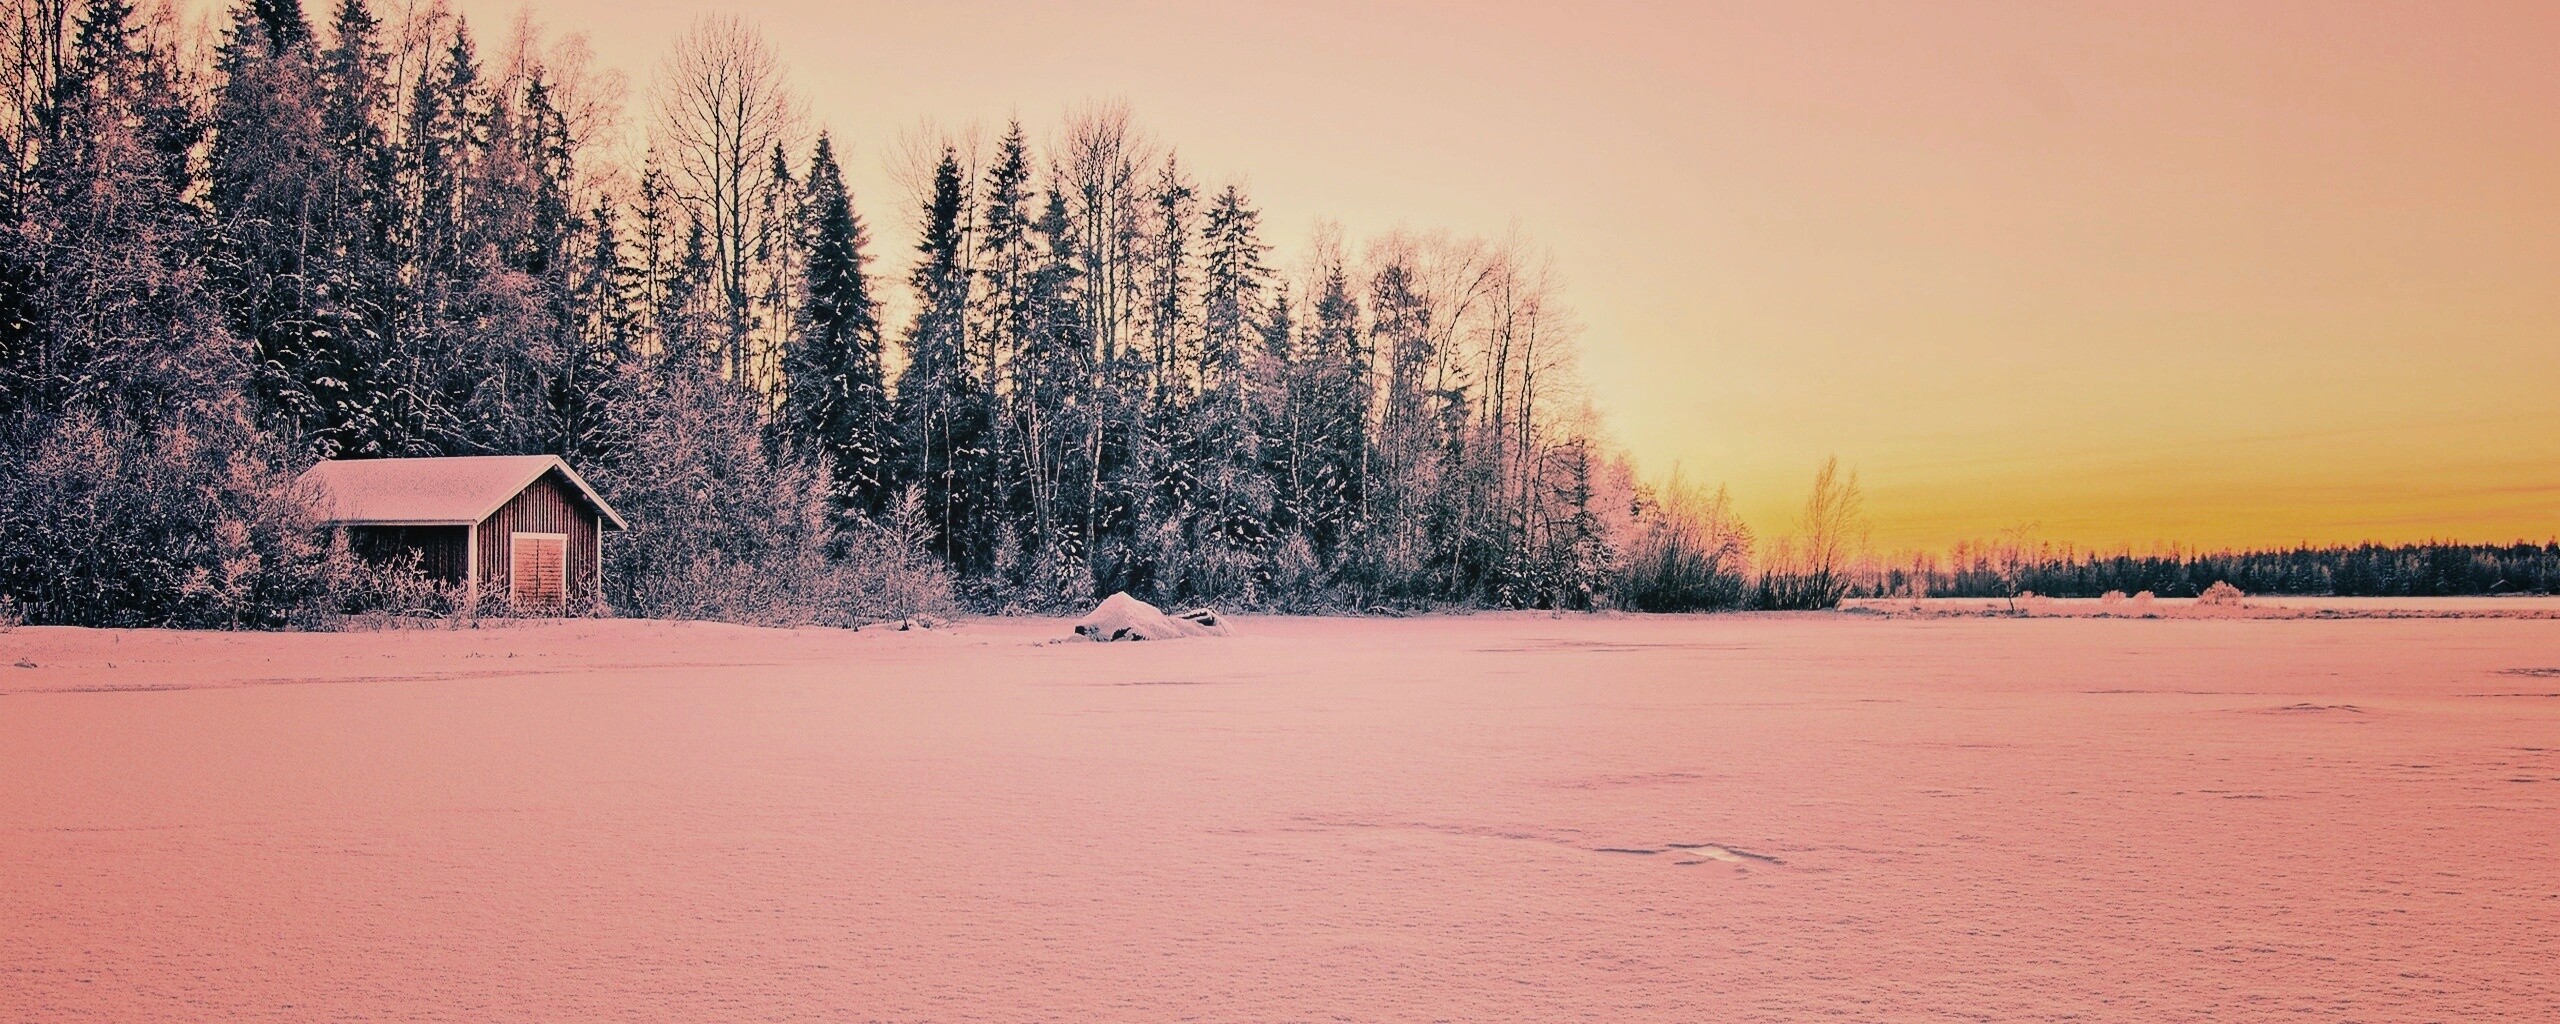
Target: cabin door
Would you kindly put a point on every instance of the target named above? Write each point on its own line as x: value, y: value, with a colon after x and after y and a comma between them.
x: 538, y: 571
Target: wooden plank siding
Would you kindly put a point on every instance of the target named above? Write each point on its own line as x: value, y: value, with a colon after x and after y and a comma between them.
x: 551, y: 505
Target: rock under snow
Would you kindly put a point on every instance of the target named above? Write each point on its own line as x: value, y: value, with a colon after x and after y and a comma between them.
x: 1121, y: 617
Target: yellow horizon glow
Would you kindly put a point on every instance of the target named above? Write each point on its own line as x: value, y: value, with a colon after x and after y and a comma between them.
x: 2218, y: 274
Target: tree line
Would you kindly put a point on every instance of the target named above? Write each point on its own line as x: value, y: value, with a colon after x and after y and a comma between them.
x: 367, y: 238
x: 2016, y: 563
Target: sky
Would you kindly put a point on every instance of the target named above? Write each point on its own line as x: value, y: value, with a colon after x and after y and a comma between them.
x: 2226, y: 273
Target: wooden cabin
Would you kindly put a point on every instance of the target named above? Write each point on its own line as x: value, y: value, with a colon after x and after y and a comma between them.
x: 525, y: 526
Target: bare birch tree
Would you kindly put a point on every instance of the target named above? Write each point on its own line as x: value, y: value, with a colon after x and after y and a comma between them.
x: 724, y: 105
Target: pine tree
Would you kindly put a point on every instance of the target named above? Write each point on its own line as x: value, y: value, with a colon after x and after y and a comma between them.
x: 1004, y: 255
x: 275, y: 214
x: 1332, y: 392
x: 1004, y: 321
x: 1168, y: 277
x: 593, y: 393
x: 688, y: 325
x: 1055, y: 413
x: 283, y: 24
x: 431, y: 361
x: 836, y: 403
x: 355, y: 269
x: 938, y: 401
x: 120, y: 323
x: 543, y: 152
x: 654, y: 235
x: 1229, y: 519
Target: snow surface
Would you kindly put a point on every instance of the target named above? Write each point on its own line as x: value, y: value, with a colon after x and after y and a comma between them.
x: 1507, y: 817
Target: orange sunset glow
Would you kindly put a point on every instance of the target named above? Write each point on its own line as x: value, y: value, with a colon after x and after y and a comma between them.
x: 2208, y: 273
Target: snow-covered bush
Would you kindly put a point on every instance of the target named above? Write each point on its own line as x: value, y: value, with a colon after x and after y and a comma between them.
x: 1297, y: 579
x: 885, y: 572
x: 193, y: 524
x: 2221, y: 595
x: 725, y: 526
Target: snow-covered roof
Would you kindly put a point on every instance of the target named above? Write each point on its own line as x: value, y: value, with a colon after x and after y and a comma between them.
x: 457, y: 491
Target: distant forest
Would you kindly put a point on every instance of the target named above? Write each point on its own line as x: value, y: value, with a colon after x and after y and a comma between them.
x: 228, y: 250
x: 2004, y: 568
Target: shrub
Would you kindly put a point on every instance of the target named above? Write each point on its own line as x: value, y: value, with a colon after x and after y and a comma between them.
x: 726, y: 526
x: 1689, y: 553
x: 194, y: 524
x: 888, y: 572
x: 1819, y: 566
x: 2221, y: 595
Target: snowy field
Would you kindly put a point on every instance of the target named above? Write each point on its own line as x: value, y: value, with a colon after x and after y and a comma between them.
x: 1503, y: 817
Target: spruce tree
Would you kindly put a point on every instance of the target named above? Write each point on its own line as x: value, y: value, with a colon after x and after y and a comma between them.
x: 1331, y: 392
x: 283, y: 24
x: 276, y: 215
x: 836, y: 402
x: 1003, y: 322
x: 355, y: 267
x: 1053, y: 411
x: 1229, y: 515
x: 937, y: 400
x: 592, y: 393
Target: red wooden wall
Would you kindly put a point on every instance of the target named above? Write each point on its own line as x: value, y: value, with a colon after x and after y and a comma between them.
x: 549, y: 506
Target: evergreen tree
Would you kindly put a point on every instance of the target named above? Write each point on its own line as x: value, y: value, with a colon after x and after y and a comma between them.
x: 779, y: 253
x: 1005, y: 255
x: 275, y: 212
x: 120, y: 323
x: 592, y: 394
x: 1331, y: 394
x: 836, y: 403
x: 282, y: 23
x: 1057, y: 414
x: 938, y: 400
x: 655, y: 235
x: 354, y: 266
x: 1229, y: 516
x: 1168, y: 276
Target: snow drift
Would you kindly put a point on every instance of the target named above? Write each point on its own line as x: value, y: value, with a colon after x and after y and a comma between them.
x: 1121, y: 617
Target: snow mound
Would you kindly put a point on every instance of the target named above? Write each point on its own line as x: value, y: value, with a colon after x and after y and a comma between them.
x: 2222, y: 595
x: 1121, y: 617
